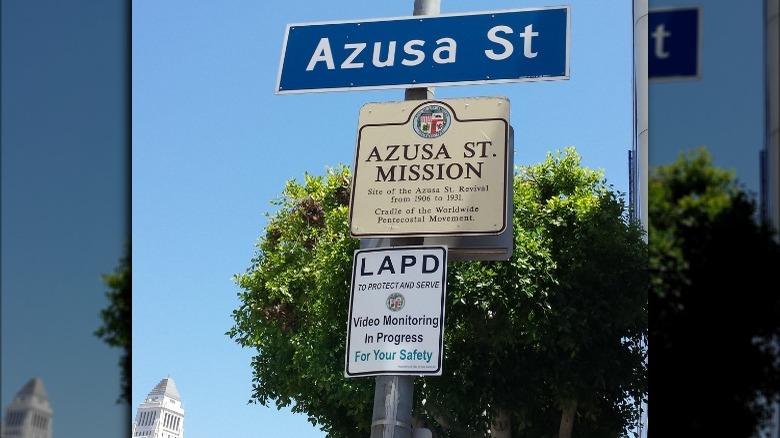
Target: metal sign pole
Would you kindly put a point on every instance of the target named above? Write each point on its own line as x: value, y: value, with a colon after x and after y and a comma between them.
x: 394, y: 395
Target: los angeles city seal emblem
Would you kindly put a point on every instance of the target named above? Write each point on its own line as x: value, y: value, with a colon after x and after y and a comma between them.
x: 395, y: 302
x: 431, y: 121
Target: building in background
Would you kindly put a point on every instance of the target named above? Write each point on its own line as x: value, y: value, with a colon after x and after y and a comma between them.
x: 161, y: 415
x: 770, y: 170
x: 29, y: 414
x: 770, y: 187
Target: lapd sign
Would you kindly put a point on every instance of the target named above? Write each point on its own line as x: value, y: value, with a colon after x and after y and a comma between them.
x: 431, y: 168
x: 423, y: 51
x: 396, y: 311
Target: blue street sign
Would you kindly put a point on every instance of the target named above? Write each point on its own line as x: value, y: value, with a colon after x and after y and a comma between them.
x: 674, y: 43
x: 425, y: 51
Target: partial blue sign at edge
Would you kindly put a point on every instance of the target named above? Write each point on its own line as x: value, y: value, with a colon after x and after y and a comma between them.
x: 674, y: 39
x: 423, y: 51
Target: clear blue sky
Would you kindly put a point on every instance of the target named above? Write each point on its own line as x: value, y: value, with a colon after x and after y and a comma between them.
x: 213, y: 145
x: 65, y: 212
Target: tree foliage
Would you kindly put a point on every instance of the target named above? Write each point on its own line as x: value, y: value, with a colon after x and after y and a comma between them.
x: 714, y: 320
x: 560, y: 325
x: 116, y: 329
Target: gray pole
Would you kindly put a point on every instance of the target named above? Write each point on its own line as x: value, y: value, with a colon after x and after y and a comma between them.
x: 641, y: 136
x: 393, y: 395
x: 423, y: 7
x: 640, y: 104
x: 392, y: 417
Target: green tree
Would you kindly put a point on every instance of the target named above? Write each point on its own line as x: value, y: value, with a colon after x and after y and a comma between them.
x: 549, y: 338
x: 714, y: 364
x: 116, y: 328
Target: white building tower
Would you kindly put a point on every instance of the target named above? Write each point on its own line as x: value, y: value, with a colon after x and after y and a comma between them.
x: 161, y: 415
x: 29, y: 414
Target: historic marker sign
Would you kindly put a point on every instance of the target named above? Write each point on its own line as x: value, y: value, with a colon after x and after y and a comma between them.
x: 422, y: 51
x: 431, y: 168
x: 396, y: 311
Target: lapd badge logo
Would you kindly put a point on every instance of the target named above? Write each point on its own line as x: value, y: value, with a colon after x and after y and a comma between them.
x: 431, y: 121
x: 395, y: 302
